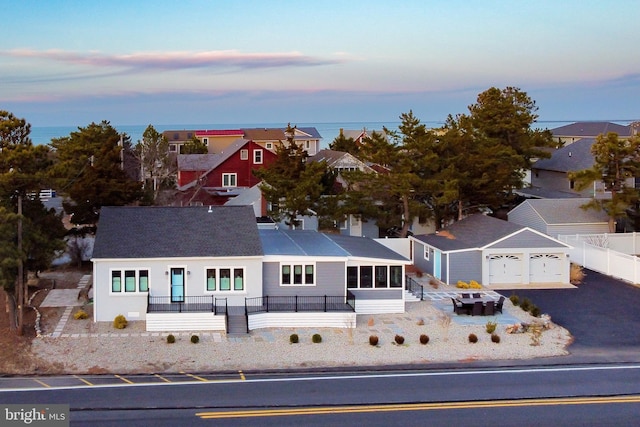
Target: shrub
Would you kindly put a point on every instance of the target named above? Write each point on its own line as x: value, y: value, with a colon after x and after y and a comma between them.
x: 475, y: 285
x: 373, y: 340
x: 473, y: 338
x: 495, y: 338
x: 195, y: 339
x: 526, y: 304
x: 576, y: 274
x: 294, y: 339
x: 171, y: 339
x: 490, y: 327
x: 399, y: 339
x: 120, y: 322
x: 515, y: 299
x: 424, y: 339
x: 316, y: 338
x: 434, y: 283
x: 420, y: 322
x: 534, y: 310
x: 80, y: 314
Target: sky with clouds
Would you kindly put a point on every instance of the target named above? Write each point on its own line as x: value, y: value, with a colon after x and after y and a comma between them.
x: 70, y: 63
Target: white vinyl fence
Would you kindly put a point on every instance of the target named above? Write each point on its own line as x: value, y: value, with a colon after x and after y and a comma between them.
x: 611, y: 254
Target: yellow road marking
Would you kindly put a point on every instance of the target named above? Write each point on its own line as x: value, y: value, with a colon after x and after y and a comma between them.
x: 195, y: 377
x: 242, y: 375
x: 418, y: 407
x: 41, y: 383
x: 162, y: 378
x: 83, y: 380
x: 123, y: 379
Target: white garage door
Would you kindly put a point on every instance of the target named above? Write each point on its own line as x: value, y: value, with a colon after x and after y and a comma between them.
x: 546, y: 268
x: 505, y: 268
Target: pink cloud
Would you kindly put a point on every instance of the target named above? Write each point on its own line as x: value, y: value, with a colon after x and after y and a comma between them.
x: 177, y: 60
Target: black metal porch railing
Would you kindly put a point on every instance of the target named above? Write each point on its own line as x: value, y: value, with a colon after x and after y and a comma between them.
x: 300, y: 303
x: 193, y: 304
x: 415, y: 288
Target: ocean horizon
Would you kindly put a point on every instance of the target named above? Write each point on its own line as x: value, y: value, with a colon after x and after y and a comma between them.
x: 41, y: 135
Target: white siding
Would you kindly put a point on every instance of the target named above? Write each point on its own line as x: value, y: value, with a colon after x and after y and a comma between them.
x: 302, y: 320
x: 185, y: 322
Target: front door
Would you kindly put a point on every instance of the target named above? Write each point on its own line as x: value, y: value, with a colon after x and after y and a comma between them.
x: 437, y: 264
x: 177, y: 285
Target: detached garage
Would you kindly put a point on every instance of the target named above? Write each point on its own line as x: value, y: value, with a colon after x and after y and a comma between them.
x: 493, y: 252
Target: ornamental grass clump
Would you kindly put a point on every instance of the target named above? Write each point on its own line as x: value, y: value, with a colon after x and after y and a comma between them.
x: 120, y: 322
x: 80, y: 314
x: 294, y: 339
x: 473, y: 338
x: 316, y: 338
x: 373, y: 340
x: 526, y: 304
x: 490, y: 327
x: 515, y: 299
x: 424, y: 339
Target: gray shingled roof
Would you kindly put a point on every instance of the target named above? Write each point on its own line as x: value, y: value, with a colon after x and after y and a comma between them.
x: 311, y: 131
x: 591, y: 129
x: 475, y: 231
x: 196, y: 162
x: 312, y: 243
x: 573, y: 157
x: 565, y: 211
x: 171, y: 232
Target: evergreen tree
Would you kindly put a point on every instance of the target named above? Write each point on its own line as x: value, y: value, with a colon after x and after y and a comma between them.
x: 615, y: 162
x: 342, y: 143
x: 194, y: 146
x: 89, y: 166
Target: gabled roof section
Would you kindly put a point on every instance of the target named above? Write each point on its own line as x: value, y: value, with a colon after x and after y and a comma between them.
x: 563, y: 211
x: 176, y: 232
x: 264, y: 134
x: 475, y: 231
x: 313, y: 244
x: 196, y: 162
x: 591, y: 129
x: 309, y: 133
x: 220, y: 132
x: 573, y: 157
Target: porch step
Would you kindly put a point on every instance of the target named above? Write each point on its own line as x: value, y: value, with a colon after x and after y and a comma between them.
x: 409, y: 297
x: 237, y: 324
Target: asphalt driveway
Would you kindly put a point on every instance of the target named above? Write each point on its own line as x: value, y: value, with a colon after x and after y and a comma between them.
x: 603, y: 314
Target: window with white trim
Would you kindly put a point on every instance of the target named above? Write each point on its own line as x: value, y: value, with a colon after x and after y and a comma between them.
x: 257, y: 157
x: 205, y: 141
x: 229, y: 179
x: 224, y: 279
x: 269, y: 145
x: 244, y: 154
x: 378, y: 276
x: 297, y: 274
x: 129, y: 281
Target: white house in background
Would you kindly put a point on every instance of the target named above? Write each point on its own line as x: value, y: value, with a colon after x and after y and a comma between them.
x: 212, y: 268
x: 559, y: 216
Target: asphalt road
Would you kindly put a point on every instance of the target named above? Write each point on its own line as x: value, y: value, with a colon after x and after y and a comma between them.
x: 507, y: 397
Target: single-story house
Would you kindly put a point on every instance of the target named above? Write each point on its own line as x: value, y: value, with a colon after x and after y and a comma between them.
x: 555, y: 217
x: 199, y: 268
x: 493, y: 252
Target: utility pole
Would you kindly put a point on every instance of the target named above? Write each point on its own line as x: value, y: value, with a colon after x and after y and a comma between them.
x: 21, y: 291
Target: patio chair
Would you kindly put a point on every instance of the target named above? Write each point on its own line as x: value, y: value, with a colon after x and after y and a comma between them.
x: 499, y: 304
x: 465, y: 295
x: 477, y: 308
x: 458, y: 308
x: 476, y: 295
x: 489, y: 308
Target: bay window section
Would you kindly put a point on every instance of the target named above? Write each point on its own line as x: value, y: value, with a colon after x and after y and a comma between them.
x: 395, y: 279
x: 297, y: 274
x: 211, y: 279
x: 143, y: 281
x: 116, y: 281
x: 381, y: 276
x: 129, y: 281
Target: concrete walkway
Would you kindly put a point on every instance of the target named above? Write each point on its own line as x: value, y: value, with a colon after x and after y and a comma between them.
x: 68, y: 298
